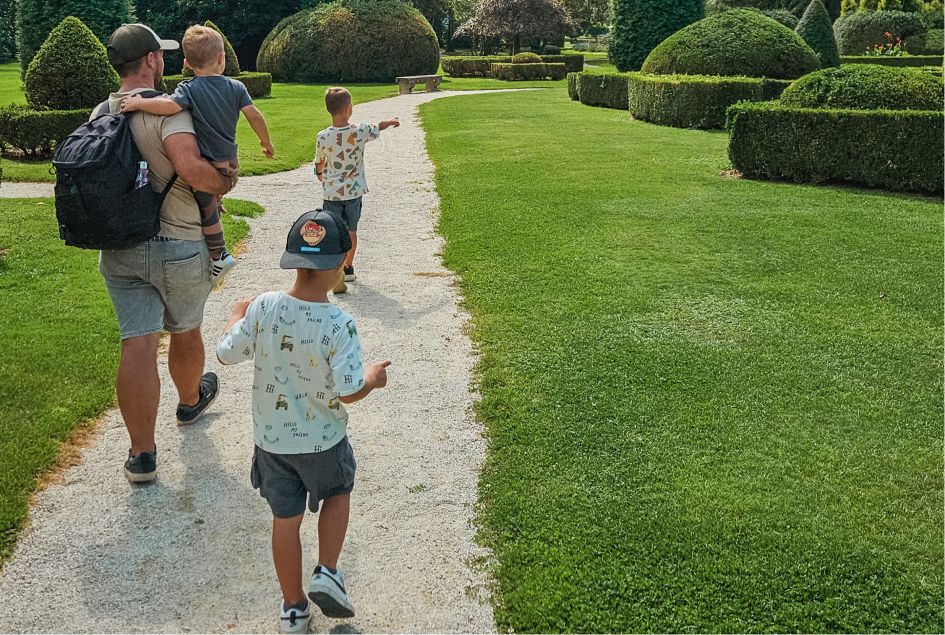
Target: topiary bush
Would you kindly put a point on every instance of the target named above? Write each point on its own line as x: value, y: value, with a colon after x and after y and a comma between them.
x: 639, y: 25
x: 932, y: 42
x: 351, y: 41
x: 817, y: 31
x: 782, y: 16
x: 901, y: 61
x: 36, y: 132
x: 526, y: 58
x: 608, y: 90
x: 574, y: 87
x: 472, y: 66
x: 232, y: 67
x: 70, y: 71
x: 257, y: 84
x: 858, y: 32
x: 574, y: 63
x: 866, y: 87
x: 514, y: 72
x: 740, y: 42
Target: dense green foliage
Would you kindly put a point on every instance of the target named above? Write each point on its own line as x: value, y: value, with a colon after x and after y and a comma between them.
x: 865, y: 87
x: 232, y: 67
x: 574, y: 91
x: 258, y: 84
x: 603, y: 89
x: 694, y: 101
x: 35, y: 19
x: 526, y: 58
x: 36, y: 132
x: 521, y: 71
x: 481, y: 65
x: 639, y: 25
x: 70, y: 70
x: 574, y: 63
x: 351, y: 41
x: 816, y: 29
x: 773, y: 8
x: 932, y: 42
x: 783, y: 16
x: 903, y: 61
x: 7, y: 30
x: 860, y: 31
x: 896, y: 150
x: 518, y: 21
x: 740, y: 42
x: 712, y: 405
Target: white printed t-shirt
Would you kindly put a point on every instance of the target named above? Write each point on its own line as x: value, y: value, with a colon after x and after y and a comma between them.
x: 342, y: 150
x: 306, y: 354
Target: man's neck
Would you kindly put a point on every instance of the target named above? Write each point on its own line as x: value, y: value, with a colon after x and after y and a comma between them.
x: 136, y: 83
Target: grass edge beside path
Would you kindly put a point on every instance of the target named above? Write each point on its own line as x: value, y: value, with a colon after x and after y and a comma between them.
x: 58, y: 361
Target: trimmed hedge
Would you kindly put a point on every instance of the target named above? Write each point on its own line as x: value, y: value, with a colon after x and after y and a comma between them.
x: 859, y: 31
x: 889, y: 60
x: 740, y: 42
x: 36, y: 132
x: 257, y: 84
x: 574, y: 93
x: 515, y: 72
x: 574, y: 63
x: 526, y: 58
x: 481, y: 66
x: 932, y: 42
x: 694, y: 101
x: 866, y: 87
x: 603, y: 89
x: 895, y: 150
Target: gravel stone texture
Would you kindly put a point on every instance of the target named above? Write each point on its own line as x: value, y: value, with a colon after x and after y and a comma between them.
x: 190, y: 552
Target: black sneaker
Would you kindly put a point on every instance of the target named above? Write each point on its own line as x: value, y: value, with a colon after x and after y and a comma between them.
x: 141, y: 468
x: 349, y: 274
x: 209, y: 385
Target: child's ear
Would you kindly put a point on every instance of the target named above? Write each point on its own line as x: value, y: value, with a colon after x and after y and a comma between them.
x: 187, y: 64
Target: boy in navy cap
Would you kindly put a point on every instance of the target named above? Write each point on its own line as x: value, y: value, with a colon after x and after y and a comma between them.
x: 308, y: 364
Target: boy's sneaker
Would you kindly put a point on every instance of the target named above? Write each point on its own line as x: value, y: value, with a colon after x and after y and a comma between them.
x: 141, y: 468
x: 209, y: 386
x: 327, y: 591
x: 294, y: 620
x: 219, y: 267
x: 349, y: 274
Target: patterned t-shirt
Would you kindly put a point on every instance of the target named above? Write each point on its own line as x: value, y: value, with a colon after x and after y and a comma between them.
x: 306, y: 355
x: 342, y: 150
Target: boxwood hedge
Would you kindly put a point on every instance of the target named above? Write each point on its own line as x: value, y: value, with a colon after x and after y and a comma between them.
x: 889, y: 60
x: 481, y: 66
x: 258, y: 84
x: 694, y: 101
x: 603, y: 89
x: 36, y: 132
x: 573, y: 86
x: 859, y: 31
x: 513, y: 72
x: 866, y: 87
x: 898, y: 150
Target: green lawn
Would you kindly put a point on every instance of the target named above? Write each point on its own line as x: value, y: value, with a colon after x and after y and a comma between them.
x: 60, y: 350
x: 711, y: 404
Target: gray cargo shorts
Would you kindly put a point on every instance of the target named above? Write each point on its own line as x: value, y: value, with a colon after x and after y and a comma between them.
x: 349, y: 210
x: 160, y: 284
x: 286, y: 480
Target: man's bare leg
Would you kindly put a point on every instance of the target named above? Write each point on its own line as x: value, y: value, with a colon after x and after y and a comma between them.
x: 139, y: 390
x: 185, y: 361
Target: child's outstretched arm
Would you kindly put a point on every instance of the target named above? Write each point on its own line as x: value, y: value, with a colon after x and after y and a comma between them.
x: 375, y: 376
x: 258, y: 124
x: 393, y: 122
x: 164, y: 106
x: 237, y: 344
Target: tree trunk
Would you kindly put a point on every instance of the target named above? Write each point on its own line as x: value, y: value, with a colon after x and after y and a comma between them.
x: 516, y: 44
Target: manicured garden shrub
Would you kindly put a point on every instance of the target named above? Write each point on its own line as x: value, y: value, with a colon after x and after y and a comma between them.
x: 603, y: 89
x: 232, y: 67
x: 932, y: 42
x: 740, y: 42
x: 551, y: 50
x: 904, y: 61
x: 70, y: 70
x: 573, y: 87
x: 35, y: 20
x: 866, y: 87
x: 574, y: 63
x: 860, y: 31
x: 782, y: 16
x: 7, y: 30
x: 526, y: 58
x: 36, y: 132
x: 257, y: 84
x: 351, y: 41
x: 639, y: 25
x: 694, y: 101
x: 817, y: 31
x: 481, y: 66
x: 894, y: 150
x: 515, y: 72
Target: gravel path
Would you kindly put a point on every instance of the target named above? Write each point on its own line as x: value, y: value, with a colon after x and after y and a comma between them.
x: 191, y: 551
x: 26, y: 190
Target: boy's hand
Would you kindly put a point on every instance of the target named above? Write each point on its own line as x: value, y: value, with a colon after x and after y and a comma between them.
x: 130, y: 104
x: 394, y: 122
x: 375, y: 375
x: 240, y: 306
x: 268, y: 150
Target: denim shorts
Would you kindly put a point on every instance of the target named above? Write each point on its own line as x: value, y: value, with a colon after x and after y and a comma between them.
x: 161, y: 284
x: 349, y: 210
x: 286, y: 480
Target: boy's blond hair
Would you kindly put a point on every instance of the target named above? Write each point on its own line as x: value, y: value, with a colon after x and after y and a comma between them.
x: 202, y: 45
x: 337, y: 99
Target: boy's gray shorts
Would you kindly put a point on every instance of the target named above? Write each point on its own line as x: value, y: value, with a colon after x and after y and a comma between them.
x: 285, y: 480
x: 160, y: 284
x: 349, y: 210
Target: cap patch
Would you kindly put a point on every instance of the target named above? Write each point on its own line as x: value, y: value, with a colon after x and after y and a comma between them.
x: 312, y: 233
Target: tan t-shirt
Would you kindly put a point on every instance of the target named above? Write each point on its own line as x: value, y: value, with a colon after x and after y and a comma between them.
x: 180, y: 216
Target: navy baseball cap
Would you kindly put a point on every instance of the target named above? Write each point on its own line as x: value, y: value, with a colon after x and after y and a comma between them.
x: 317, y: 240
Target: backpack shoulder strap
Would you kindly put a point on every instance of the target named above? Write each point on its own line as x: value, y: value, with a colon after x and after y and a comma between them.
x: 101, y: 109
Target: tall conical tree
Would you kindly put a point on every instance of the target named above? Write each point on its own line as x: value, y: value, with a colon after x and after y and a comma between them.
x: 232, y: 68
x: 639, y: 25
x: 817, y: 31
x: 70, y: 70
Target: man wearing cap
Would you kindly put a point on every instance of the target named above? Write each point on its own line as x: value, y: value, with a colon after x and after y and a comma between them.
x: 162, y: 284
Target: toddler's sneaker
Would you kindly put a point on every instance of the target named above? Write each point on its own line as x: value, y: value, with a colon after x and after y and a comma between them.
x: 327, y: 591
x: 294, y: 619
x: 349, y: 274
x: 219, y: 267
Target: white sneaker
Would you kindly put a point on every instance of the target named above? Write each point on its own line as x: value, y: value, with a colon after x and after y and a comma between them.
x: 218, y: 268
x: 327, y: 591
x: 294, y: 620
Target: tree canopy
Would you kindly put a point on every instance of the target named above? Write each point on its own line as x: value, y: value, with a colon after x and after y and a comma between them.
x: 515, y: 19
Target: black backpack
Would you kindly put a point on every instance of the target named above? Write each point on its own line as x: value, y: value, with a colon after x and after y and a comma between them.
x: 97, y: 203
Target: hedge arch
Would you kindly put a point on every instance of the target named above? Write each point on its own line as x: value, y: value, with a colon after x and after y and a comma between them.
x: 381, y: 40
x: 866, y: 87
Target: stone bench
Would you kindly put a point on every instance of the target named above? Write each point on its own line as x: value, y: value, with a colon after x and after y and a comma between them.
x: 407, y: 83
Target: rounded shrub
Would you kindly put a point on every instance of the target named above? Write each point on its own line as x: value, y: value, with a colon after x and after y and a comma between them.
x: 782, y: 16
x: 866, y: 87
x: 232, y: 68
x: 526, y: 58
x: 817, y: 31
x: 860, y: 31
x: 639, y: 25
x: 70, y: 70
x: 740, y: 42
x: 351, y: 41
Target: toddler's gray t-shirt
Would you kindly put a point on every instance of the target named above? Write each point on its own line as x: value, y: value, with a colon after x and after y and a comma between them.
x: 214, y: 103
